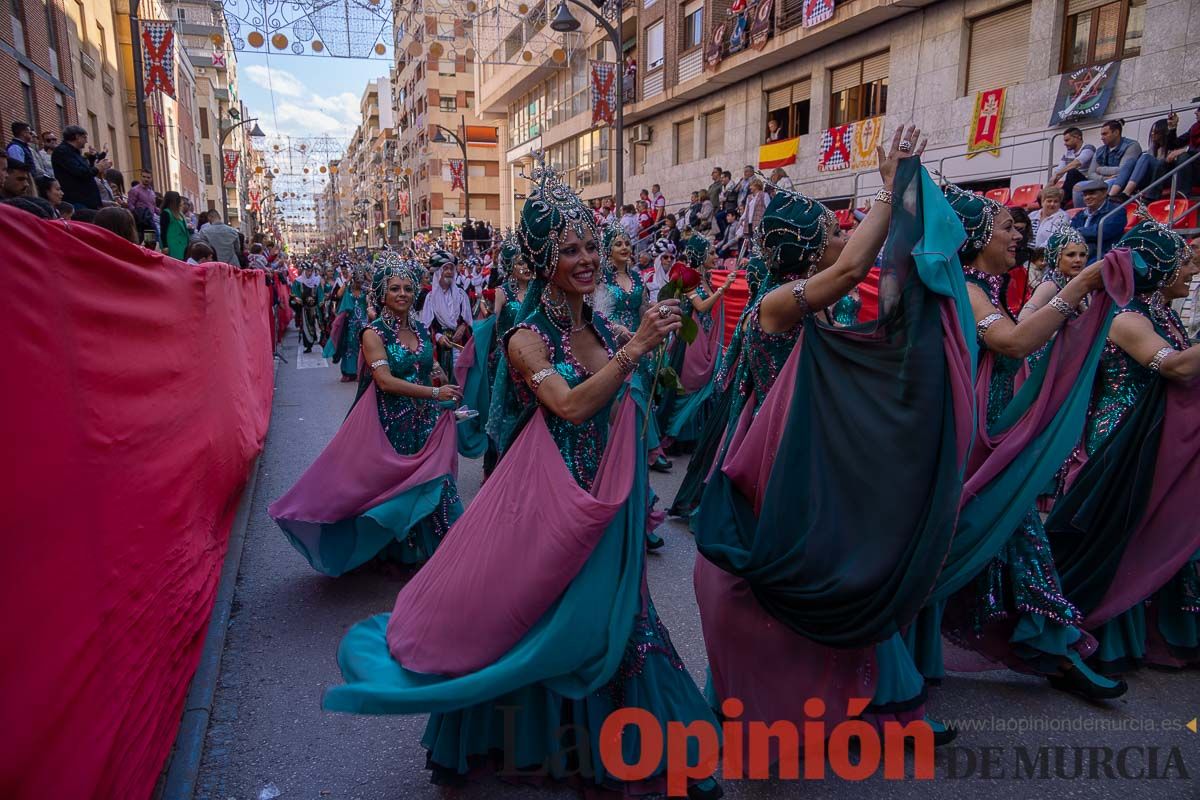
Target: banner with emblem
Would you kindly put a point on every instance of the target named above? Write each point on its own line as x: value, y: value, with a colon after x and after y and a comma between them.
x: 714, y: 51
x: 760, y: 24
x: 1084, y: 94
x: 604, y: 92
x: 816, y: 12
x: 404, y: 201
x: 456, y: 174
x: 984, y: 134
x: 229, y: 163
x: 158, y: 56
x: 851, y: 146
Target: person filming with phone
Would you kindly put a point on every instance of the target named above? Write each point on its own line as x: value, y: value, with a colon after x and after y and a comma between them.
x: 77, y: 167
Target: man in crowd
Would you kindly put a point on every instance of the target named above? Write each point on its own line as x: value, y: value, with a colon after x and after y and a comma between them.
x: 729, y: 193
x: 75, y: 171
x: 142, y: 195
x: 19, y: 149
x: 780, y: 178
x: 1096, y: 205
x: 1115, y: 160
x: 17, y: 180
x: 714, y: 195
x: 629, y: 222
x: 658, y: 202
x: 1074, y: 164
x: 223, y: 239
x: 743, y: 186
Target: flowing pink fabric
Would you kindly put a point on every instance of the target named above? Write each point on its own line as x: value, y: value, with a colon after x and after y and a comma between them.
x: 991, y: 454
x: 1169, y: 532
x: 701, y: 355
x: 464, y: 361
x: 136, y: 398
x: 511, y: 555
x: 962, y: 391
x: 359, y: 469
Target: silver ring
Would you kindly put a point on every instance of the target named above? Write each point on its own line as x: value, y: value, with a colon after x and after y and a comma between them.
x: 664, y: 311
x: 905, y: 145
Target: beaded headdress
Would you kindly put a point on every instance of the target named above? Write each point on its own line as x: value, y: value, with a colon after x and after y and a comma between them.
x: 794, y: 231
x: 696, y: 250
x: 610, y: 235
x: 388, y: 265
x: 1065, y: 235
x: 1163, y: 250
x: 978, y: 217
x: 550, y: 210
x: 510, y: 249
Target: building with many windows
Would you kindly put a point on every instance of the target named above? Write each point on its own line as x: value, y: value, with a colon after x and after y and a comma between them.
x: 91, y: 31
x: 37, y: 68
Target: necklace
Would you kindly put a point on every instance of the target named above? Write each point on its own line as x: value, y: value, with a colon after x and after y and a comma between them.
x: 559, y: 311
x: 395, y: 324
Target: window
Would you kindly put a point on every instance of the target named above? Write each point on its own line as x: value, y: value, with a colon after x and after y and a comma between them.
x: 859, y: 90
x: 93, y: 126
x: 182, y: 14
x: 103, y: 41
x: 693, y: 25
x: 52, y: 39
x: 654, y: 46
x: 18, y: 27
x: 683, y: 141
x: 446, y: 68
x: 789, y: 106
x: 447, y: 103
x: 999, y: 49
x: 204, y: 123
x: 27, y: 95
x: 1101, y: 30
x: 714, y: 133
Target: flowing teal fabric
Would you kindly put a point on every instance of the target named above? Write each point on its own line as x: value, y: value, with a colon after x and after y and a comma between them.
x: 573, y: 650
x: 477, y: 392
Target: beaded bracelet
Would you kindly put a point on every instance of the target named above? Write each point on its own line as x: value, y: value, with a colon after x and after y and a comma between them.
x: 540, y: 376
x: 624, y: 362
x: 799, y: 297
x: 1156, y: 362
x: 377, y: 364
x: 982, y: 326
x: 1061, y: 306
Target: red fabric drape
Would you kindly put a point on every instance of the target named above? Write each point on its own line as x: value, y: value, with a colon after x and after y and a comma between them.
x: 137, y: 395
x: 735, y: 299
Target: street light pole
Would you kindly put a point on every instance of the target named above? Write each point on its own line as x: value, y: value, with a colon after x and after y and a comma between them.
x: 139, y: 89
x: 564, y: 22
x: 462, y: 144
x: 221, y: 149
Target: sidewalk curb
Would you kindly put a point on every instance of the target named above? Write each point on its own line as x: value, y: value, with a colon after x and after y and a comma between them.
x: 183, y: 767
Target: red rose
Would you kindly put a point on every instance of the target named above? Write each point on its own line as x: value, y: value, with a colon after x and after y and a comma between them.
x: 685, y: 276
x: 489, y: 295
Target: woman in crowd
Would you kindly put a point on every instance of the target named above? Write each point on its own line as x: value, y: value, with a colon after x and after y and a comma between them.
x: 1124, y: 535
x: 119, y: 221
x: 173, y: 230
x: 1050, y: 217
x: 49, y: 190
x: 398, y: 504
x: 1006, y: 599
x: 116, y: 182
x: 575, y: 635
x: 354, y: 314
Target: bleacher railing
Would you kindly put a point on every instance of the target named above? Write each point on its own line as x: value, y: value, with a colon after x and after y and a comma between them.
x: 1173, y: 174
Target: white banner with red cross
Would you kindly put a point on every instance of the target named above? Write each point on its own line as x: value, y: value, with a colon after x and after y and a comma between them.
x: 456, y: 174
x: 158, y: 56
x: 604, y: 92
x: 229, y: 159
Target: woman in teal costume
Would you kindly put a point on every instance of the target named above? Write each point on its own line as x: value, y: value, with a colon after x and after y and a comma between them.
x: 565, y: 365
x: 343, y: 348
x: 1013, y: 607
x: 1147, y: 345
x: 681, y: 416
x: 398, y: 353
x: 510, y: 294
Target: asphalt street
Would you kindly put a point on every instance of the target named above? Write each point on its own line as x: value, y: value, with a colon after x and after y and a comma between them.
x: 268, y: 733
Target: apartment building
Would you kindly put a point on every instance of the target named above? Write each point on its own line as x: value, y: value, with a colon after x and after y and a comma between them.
x: 431, y: 92
x: 37, y: 72
x: 919, y: 61
x: 95, y: 69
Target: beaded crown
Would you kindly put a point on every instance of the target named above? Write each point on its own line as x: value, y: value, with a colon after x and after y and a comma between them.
x: 389, y: 264
x: 551, y: 209
x: 696, y: 250
x: 1163, y: 250
x: 978, y: 217
x: 610, y: 235
x: 1065, y: 235
x: 794, y: 231
x: 510, y: 249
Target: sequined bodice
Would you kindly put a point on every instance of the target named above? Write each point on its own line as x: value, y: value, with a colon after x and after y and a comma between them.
x: 1121, y: 380
x: 581, y: 445
x: 703, y: 318
x: 1004, y: 368
x: 845, y: 311
x: 407, y: 421
x: 762, y: 357
x: 508, y: 314
x: 358, y: 313
x: 627, y: 305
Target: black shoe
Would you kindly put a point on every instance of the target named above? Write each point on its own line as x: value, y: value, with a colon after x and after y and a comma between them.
x: 308, y: 349
x: 654, y: 541
x: 1073, y: 681
x: 661, y: 465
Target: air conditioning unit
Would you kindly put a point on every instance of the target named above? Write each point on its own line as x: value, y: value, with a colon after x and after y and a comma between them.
x: 641, y: 134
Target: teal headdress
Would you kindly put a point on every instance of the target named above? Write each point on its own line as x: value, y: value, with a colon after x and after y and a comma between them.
x: 1162, y: 250
x: 794, y: 232
x: 978, y: 217
x: 610, y: 235
x: 1065, y: 235
x: 510, y: 250
x: 696, y: 250
x: 388, y: 265
x: 551, y: 209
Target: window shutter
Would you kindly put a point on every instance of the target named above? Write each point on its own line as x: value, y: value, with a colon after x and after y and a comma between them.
x: 683, y: 142
x: 846, y: 77
x: 875, y: 68
x: 801, y: 91
x: 1079, y: 6
x: 999, y: 49
x: 714, y: 133
x: 779, y: 99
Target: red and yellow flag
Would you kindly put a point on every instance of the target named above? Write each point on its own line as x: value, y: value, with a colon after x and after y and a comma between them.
x: 778, y: 154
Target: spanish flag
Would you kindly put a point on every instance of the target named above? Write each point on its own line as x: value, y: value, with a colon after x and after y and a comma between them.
x: 778, y: 154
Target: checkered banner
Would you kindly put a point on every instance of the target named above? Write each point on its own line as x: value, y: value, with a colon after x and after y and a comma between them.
x: 604, y: 92
x: 229, y: 160
x: 851, y: 146
x: 456, y: 174
x: 816, y: 12
x: 158, y: 56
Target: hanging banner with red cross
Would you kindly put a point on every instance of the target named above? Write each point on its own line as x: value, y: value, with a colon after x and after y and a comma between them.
x: 851, y: 146
x: 229, y: 159
x: 835, y: 149
x: 158, y: 56
x: 815, y: 12
x: 984, y: 133
x: 404, y: 201
x: 255, y: 200
x: 218, y: 58
x: 604, y: 92
x: 456, y: 175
